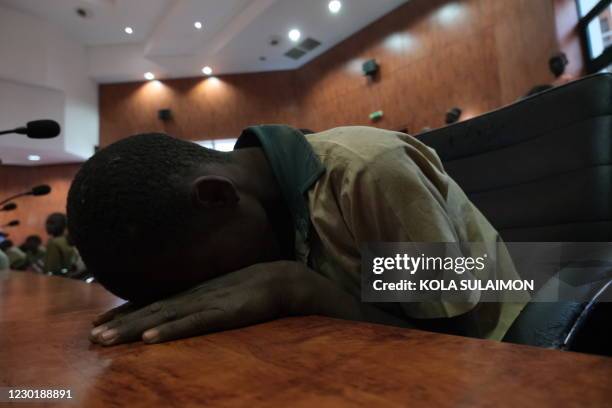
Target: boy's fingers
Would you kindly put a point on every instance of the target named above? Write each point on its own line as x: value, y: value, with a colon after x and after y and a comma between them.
x: 129, y: 311
x: 128, y: 322
x: 125, y: 331
x: 129, y: 314
x: 206, y: 321
x: 120, y: 319
x: 111, y: 314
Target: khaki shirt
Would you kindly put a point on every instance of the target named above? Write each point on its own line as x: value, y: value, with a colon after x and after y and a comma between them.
x: 389, y: 187
x: 363, y: 184
x: 60, y: 257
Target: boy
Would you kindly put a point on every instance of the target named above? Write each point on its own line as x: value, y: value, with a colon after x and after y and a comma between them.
x: 60, y: 255
x: 273, y: 229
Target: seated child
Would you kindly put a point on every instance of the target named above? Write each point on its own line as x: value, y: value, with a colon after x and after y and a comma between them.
x: 153, y: 216
x: 60, y: 255
x: 35, y: 252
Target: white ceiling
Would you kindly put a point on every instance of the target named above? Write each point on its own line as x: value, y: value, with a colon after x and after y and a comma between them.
x: 235, y: 33
x: 52, y: 58
x: 108, y: 18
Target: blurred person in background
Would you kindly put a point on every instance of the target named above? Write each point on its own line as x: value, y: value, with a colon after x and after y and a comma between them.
x: 4, y: 261
x: 61, y: 256
x: 557, y: 65
x: 453, y: 116
x: 17, y: 259
x: 35, y: 252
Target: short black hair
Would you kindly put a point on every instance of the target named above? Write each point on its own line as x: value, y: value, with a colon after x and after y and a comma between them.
x: 131, y: 201
x: 59, y: 222
x: 453, y: 115
x: 34, y: 239
x: 31, y: 242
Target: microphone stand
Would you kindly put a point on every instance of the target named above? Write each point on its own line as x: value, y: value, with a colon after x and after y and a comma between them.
x: 20, y: 130
x: 15, y: 196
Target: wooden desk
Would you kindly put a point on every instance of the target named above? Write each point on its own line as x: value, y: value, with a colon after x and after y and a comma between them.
x: 299, y: 362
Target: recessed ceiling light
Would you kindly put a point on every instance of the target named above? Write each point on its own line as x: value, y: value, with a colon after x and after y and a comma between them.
x: 128, y: 30
x: 207, y: 70
x: 34, y: 157
x: 294, y: 35
x: 334, y: 6
x: 198, y: 25
x: 149, y: 76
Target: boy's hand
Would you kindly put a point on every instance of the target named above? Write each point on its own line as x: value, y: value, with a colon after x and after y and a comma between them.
x: 252, y: 295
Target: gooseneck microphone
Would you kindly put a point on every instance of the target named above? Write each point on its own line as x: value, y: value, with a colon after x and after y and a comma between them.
x: 13, y: 223
x: 43, y: 189
x: 9, y: 207
x: 37, y: 129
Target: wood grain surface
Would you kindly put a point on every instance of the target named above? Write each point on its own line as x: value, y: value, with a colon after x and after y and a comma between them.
x: 298, y: 362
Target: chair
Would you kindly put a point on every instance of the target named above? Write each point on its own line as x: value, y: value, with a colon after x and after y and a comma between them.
x: 541, y: 171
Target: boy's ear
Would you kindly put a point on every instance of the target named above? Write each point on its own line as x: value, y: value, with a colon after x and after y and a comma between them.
x: 214, y: 192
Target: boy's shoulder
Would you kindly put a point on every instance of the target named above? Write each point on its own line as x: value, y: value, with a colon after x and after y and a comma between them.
x: 362, y: 145
x: 358, y: 137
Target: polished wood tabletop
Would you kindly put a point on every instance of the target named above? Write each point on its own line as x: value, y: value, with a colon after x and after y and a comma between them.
x: 298, y: 362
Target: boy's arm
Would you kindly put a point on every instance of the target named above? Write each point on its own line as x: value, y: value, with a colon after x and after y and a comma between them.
x: 249, y: 296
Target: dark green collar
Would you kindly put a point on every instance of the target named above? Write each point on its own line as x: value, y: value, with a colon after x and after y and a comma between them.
x: 294, y: 163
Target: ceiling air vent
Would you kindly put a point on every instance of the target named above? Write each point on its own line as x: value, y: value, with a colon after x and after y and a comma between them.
x: 295, y: 53
x: 309, y: 44
x: 305, y: 46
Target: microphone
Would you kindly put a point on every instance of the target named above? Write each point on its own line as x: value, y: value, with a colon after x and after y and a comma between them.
x: 13, y: 223
x: 43, y: 189
x: 9, y: 207
x: 37, y: 129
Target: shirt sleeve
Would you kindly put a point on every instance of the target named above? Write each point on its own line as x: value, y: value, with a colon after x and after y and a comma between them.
x: 402, y: 196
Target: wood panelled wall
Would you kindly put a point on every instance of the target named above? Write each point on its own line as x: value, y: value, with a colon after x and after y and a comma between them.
x: 568, y: 35
x: 33, y: 211
x: 434, y: 54
x: 201, y: 109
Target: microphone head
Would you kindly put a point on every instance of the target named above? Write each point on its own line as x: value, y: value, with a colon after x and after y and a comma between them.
x: 9, y: 207
x: 42, y: 129
x: 43, y: 189
x: 13, y: 223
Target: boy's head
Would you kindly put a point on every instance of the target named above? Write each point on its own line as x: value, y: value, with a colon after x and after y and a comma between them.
x: 152, y: 215
x: 453, y: 116
x: 56, y: 224
x: 32, y: 243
